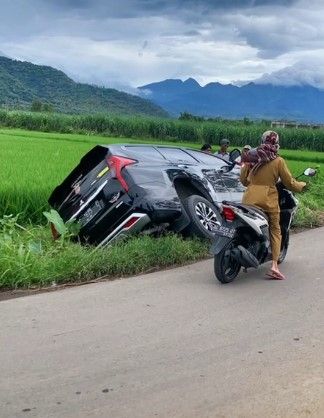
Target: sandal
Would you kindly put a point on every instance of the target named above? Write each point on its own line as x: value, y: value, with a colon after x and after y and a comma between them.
x: 275, y: 275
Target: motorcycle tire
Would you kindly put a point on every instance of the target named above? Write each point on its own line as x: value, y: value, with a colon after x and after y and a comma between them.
x: 225, y: 268
x: 284, y: 249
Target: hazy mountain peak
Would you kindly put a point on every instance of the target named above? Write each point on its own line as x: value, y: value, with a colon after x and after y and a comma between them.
x: 192, y: 82
x: 252, y: 100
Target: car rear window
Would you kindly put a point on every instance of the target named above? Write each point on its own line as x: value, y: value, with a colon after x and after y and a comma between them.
x: 176, y: 155
x: 208, y: 159
x: 147, y: 153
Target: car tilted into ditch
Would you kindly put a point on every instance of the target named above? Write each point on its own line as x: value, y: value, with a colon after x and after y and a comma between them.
x: 119, y: 190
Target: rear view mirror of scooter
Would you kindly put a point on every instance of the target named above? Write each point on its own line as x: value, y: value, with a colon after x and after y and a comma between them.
x: 310, y: 172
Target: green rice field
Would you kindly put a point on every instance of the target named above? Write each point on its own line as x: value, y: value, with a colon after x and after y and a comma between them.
x: 33, y: 163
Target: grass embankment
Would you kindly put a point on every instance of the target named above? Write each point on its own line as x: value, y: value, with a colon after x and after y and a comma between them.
x: 30, y: 258
x: 33, y: 163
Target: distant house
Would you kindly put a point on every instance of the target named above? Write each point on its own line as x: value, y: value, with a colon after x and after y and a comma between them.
x: 291, y: 124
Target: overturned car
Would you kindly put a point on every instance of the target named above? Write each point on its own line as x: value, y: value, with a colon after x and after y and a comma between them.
x: 119, y: 190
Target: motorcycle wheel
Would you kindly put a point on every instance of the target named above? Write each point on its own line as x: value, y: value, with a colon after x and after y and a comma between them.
x: 225, y: 267
x: 284, y: 249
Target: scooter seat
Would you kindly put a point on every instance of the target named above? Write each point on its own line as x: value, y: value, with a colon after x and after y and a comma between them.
x: 257, y: 210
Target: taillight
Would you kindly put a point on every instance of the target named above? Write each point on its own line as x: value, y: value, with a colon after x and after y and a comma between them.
x: 116, y: 164
x: 228, y: 213
x: 132, y: 221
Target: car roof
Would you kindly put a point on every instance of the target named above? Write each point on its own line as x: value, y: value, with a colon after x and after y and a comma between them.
x: 113, y: 147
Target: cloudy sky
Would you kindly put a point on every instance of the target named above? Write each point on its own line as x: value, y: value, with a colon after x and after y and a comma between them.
x: 124, y: 43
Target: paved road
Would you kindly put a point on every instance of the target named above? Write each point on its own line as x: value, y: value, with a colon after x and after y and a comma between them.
x: 171, y: 344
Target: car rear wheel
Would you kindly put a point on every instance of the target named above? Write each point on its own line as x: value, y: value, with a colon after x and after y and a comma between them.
x: 203, y: 216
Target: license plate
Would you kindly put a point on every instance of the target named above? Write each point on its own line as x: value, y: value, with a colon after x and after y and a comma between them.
x: 224, y: 231
x: 91, y: 212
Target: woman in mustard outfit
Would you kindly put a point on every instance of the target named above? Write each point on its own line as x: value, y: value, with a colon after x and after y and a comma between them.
x: 261, y: 170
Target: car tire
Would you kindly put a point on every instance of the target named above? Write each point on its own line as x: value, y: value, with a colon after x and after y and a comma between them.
x: 203, y: 215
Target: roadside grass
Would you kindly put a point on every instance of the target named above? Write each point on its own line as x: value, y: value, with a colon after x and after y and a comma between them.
x: 311, y: 203
x: 30, y: 259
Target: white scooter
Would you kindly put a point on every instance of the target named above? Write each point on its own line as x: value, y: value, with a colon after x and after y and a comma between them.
x: 242, y: 238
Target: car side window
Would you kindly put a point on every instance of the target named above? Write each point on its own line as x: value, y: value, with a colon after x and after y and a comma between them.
x: 176, y: 155
x: 141, y: 153
x: 208, y: 159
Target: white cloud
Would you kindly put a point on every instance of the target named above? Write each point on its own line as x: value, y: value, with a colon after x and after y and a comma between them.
x: 306, y: 72
x: 140, y: 42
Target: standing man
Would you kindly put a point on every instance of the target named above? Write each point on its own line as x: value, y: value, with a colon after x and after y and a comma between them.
x: 222, y: 153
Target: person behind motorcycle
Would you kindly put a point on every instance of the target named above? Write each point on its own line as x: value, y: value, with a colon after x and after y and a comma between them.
x: 262, y: 169
x: 223, y: 151
x: 245, y: 149
x: 207, y: 148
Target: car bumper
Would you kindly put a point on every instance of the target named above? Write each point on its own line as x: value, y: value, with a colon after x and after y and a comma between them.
x: 133, y: 224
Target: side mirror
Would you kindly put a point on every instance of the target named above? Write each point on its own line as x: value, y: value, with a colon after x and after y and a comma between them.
x: 234, y: 154
x: 310, y: 172
x: 226, y: 168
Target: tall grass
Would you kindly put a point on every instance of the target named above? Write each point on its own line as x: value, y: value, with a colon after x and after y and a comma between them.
x: 161, y: 129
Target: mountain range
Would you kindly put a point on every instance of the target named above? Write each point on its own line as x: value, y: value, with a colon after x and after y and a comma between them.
x: 255, y: 101
x: 21, y: 83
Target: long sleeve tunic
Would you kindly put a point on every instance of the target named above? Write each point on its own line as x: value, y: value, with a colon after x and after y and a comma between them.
x: 261, y: 187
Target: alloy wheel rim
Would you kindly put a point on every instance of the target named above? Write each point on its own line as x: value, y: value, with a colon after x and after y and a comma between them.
x: 206, y: 216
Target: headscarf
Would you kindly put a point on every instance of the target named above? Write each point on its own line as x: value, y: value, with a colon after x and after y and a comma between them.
x: 264, y: 153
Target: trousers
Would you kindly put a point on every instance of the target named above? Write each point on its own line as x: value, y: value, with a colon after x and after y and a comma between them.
x: 275, y: 234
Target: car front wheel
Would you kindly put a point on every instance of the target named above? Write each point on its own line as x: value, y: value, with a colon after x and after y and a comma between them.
x: 203, y: 216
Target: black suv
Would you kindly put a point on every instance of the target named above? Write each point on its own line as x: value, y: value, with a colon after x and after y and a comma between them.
x: 118, y: 190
